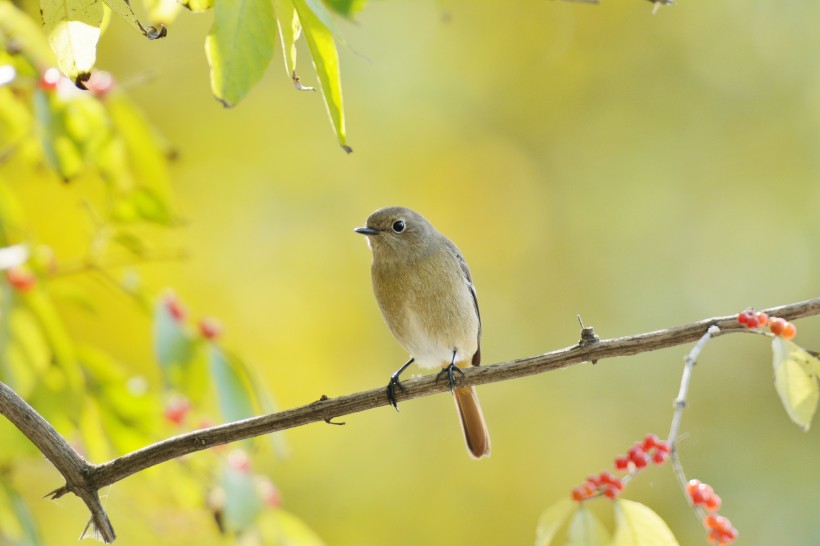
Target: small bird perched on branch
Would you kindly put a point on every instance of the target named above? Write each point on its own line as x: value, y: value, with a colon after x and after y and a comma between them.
x: 426, y: 295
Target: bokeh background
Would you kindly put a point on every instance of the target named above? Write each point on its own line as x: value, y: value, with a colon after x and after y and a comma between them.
x: 642, y: 170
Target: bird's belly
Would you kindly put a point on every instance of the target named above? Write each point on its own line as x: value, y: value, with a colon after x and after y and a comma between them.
x: 434, y: 349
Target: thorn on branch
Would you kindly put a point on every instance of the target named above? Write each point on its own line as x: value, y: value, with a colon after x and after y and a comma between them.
x: 329, y: 420
x: 588, y: 336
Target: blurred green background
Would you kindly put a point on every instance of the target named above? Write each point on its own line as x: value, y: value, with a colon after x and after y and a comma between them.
x: 643, y: 171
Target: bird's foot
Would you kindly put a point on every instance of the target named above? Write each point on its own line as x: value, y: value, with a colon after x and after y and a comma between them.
x: 450, y: 372
x: 391, y: 390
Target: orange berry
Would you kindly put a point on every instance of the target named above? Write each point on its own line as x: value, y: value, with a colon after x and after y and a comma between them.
x: 578, y: 494
x: 789, y: 331
x: 776, y: 325
x: 762, y: 318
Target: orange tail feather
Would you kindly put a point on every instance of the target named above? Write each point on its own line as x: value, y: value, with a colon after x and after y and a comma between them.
x: 472, y: 422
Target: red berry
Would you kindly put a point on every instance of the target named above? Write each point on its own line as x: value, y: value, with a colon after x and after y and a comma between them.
x: 762, y: 318
x: 20, y: 279
x: 210, y: 328
x: 777, y: 325
x: 712, y: 503
x: 49, y: 79
x: 607, y: 478
x: 594, y: 480
x: 743, y: 317
x: 659, y: 457
x: 664, y: 446
x: 176, y: 409
x: 621, y: 462
x: 638, y: 457
x: 174, y: 307
x: 611, y: 492
x: 789, y: 331
x: 649, y: 441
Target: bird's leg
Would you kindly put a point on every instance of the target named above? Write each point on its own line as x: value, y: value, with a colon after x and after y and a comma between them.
x: 450, y: 371
x: 394, y: 382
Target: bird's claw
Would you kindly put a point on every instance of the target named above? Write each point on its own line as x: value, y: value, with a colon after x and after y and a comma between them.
x: 391, y: 390
x: 450, y: 371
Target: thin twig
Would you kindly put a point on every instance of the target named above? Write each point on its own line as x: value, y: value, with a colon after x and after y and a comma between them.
x: 680, y: 405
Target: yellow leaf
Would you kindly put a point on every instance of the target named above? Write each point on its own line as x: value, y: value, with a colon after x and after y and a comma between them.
x: 795, y: 379
x: 326, y: 60
x: 551, y: 520
x: 73, y: 28
x: 289, y: 31
x: 586, y: 530
x: 637, y: 525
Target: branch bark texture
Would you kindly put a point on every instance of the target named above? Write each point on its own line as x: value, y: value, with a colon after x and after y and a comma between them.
x: 85, y: 479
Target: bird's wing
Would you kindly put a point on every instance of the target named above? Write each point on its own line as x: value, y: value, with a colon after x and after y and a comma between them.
x: 468, y: 279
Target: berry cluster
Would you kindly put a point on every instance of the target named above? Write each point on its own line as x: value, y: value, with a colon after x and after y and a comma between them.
x: 721, y: 531
x: 702, y: 494
x: 639, y: 455
x: 603, y: 484
x: 636, y: 459
x: 777, y: 325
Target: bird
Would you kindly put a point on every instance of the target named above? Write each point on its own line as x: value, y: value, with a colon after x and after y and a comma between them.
x: 426, y: 295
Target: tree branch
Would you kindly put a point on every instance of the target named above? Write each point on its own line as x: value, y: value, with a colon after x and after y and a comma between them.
x: 85, y: 479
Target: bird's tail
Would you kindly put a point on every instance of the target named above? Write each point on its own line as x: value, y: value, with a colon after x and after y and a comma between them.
x: 472, y: 422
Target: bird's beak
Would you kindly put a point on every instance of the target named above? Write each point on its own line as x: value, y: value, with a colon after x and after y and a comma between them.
x: 366, y: 231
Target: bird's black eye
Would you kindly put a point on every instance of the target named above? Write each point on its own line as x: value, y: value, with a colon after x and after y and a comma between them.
x: 398, y: 226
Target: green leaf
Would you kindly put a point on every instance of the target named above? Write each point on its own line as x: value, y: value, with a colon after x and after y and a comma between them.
x: 60, y: 150
x: 73, y: 29
x: 551, y: 520
x: 637, y: 525
x: 232, y: 386
x: 146, y: 157
x: 173, y: 343
x: 23, y: 519
x: 150, y: 206
x: 796, y: 373
x: 26, y: 353
x: 586, y: 530
x: 326, y: 60
x: 282, y: 528
x: 22, y: 30
x: 123, y: 9
x: 239, y: 46
x: 289, y: 30
x: 242, y: 502
x: 59, y: 341
x: 348, y: 8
